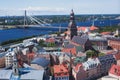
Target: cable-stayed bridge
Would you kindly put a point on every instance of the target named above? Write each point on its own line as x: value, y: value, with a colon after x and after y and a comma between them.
x: 37, y: 22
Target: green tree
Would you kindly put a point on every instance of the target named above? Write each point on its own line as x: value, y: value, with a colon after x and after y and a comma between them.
x: 51, y: 45
x: 101, y: 54
x: 90, y: 53
x: 42, y: 43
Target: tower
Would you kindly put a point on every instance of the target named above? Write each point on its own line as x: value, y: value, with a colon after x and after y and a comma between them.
x: 25, y: 18
x: 72, y: 29
x: 15, y: 66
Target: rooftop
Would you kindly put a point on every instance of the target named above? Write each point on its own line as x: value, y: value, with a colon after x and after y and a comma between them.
x: 91, y: 63
x: 2, y: 54
x: 83, y: 28
x: 5, y: 74
x: 33, y: 75
x: 115, y: 39
x: 51, y: 40
x: 29, y: 74
x: 77, y: 67
x: 80, y: 39
x: 60, y: 70
x: 69, y: 50
x: 69, y: 46
x: 41, y: 61
x: 106, y: 33
x: 115, y: 70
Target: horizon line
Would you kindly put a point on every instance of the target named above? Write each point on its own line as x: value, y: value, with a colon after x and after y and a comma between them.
x: 64, y: 14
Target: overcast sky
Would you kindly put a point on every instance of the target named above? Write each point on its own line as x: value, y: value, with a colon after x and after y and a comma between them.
x: 56, y: 7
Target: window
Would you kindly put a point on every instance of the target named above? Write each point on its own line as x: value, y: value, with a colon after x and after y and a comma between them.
x: 15, y: 70
x: 115, y: 70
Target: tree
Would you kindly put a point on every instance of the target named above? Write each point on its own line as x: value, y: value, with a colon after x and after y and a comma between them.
x: 90, y: 53
x: 101, y: 54
x: 42, y: 43
x: 51, y: 45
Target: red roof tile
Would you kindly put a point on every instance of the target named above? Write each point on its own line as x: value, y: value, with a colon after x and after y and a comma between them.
x: 77, y: 67
x: 84, y: 28
x: 51, y: 40
x: 115, y: 70
x: 60, y: 70
x: 106, y: 33
x: 69, y: 50
x: 81, y: 28
x: 93, y: 28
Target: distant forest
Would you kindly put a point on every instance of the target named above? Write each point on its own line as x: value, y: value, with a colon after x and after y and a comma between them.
x: 19, y: 20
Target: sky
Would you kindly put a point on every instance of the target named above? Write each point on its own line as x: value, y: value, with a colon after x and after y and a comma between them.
x: 58, y: 7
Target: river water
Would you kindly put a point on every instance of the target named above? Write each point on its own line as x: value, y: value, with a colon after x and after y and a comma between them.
x: 17, y: 33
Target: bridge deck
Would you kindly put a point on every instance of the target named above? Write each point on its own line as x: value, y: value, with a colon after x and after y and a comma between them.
x: 39, y: 26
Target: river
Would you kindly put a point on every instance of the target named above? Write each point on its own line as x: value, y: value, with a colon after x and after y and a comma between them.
x: 17, y: 33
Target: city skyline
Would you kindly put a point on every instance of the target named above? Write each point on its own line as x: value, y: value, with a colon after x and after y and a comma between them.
x: 59, y: 7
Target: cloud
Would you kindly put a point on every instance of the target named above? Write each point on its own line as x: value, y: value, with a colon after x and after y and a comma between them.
x: 44, y: 9
x: 34, y: 11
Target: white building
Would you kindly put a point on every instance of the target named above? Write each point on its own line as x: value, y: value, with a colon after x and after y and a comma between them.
x: 9, y: 59
x: 25, y: 51
x: 92, y: 67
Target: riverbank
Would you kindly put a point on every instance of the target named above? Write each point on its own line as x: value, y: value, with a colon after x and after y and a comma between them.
x: 15, y: 41
x: 3, y: 27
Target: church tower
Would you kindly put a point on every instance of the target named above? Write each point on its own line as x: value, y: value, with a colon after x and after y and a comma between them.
x: 72, y: 29
x: 15, y: 66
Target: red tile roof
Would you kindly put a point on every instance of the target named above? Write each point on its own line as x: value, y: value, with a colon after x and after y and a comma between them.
x: 69, y: 50
x: 60, y: 70
x: 81, y: 28
x: 115, y: 70
x: 84, y: 28
x: 77, y: 67
x: 51, y: 40
x: 106, y: 33
x: 93, y: 28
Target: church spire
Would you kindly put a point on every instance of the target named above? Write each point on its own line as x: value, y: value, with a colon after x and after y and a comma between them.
x: 72, y: 15
x: 72, y: 29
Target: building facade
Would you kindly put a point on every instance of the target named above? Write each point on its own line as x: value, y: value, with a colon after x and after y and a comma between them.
x: 87, y: 70
x: 114, y: 43
x: 9, y: 59
x: 106, y: 62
